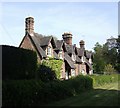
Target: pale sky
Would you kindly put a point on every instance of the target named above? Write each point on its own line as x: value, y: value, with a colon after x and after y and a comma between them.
x: 89, y: 21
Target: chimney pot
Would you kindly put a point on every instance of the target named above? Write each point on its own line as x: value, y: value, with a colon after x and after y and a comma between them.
x: 82, y: 43
x: 67, y: 37
x: 29, y: 21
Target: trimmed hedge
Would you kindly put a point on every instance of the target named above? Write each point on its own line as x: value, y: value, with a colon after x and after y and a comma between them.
x: 18, y: 93
x: 18, y: 63
x: 45, y: 73
x: 99, y: 80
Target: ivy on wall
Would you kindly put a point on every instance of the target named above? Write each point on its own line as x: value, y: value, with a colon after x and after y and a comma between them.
x: 55, y: 65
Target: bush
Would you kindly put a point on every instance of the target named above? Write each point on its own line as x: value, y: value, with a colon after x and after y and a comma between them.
x: 55, y: 65
x: 49, y: 70
x: 104, y: 79
x: 18, y: 63
x: 35, y: 92
x: 45, y: 73
x: 109, y: 69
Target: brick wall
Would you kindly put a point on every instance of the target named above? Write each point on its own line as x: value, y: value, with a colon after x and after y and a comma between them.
x: 27, y: 44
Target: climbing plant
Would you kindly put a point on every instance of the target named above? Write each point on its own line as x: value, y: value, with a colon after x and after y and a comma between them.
x: 55, y: 65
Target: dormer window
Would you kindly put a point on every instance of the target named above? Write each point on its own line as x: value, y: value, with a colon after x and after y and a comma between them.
x: 49, y: 51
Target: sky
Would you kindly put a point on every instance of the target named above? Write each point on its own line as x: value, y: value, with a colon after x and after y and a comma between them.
x: 89, y: 21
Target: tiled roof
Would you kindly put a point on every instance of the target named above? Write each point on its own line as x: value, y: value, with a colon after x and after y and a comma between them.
x: 59, y: 44
x: 37, y: 45
x: 55, y: 55
x: 78, y: 60
x: 80, y: 51
x: 44, y: 40
x: 89, y: 54
x: 90, y: 66
x: 70, y: 49
x: 69, y: 61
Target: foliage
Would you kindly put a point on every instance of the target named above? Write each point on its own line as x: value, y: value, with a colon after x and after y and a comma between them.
x: 98, y: 61
x: 20, y: 93
x: 109, y: 69
x: 104, y: 56
x: 45, y: 73
x: 118, y: 56
x: 18, y: 63
x: 52, y: 65
x: 100, y: 80
x: 101, y: 96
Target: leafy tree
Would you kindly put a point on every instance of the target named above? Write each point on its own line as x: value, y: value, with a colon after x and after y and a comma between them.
x: 109, y: 55
x: 98, y: 61
x: 104, y: 56
x: 118, y: 56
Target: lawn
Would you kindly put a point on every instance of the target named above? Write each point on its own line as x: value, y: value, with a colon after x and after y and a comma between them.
x: 105, y: 95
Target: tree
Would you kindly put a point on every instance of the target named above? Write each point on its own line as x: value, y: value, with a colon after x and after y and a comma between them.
x: 110, y: 55
x: 118, y: 55
x: 98, y: 61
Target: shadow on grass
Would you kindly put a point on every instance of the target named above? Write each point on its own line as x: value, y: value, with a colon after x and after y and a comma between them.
x: 95, y: 97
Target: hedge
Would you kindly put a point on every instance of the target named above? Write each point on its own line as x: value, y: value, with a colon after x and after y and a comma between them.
x: 99, y: 80
x: 19, y: 93
x: 18, y: 63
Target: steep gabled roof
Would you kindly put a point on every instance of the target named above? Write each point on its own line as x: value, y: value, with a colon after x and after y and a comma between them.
x: 80, y: 52
x: 38, y: 36
x: 87, y: 62
x: 44, y: 40
x: 70, y: 49
x: 89, y: 54
x: 78, y: 60
x: 37, y: 46
x: 69, y: 61
x: 55, y: 55
x: 59, y: 44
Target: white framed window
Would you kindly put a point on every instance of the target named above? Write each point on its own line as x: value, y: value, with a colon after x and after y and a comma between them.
x: 66, y: 75
x: 83, y: 71
x: 72, y: 72
x: 49, y: 51
x: 60, y: 55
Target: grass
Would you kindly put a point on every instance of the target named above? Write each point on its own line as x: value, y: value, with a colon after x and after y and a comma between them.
x: 104, y: 95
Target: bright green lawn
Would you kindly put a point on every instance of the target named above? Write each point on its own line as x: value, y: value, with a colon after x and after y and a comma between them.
x: 106, y: 95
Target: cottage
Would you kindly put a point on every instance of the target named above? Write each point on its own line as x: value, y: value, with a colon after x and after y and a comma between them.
x: 76, y: 60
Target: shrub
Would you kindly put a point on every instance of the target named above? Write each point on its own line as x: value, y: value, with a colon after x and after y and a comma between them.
x: 104, y: 79
x: 45, y: 73
x: 18, y: 63
x: 49, y: 70
x: 35, y: 92
x: 55, y: 66
x: 109, y: 69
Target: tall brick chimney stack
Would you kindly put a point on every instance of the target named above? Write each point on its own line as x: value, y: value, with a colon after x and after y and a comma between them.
x: 29, y: 24
x: 82, y: 43
x: 67, y: 37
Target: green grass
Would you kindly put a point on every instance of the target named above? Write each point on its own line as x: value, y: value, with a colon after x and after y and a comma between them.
x: 103, y: 95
